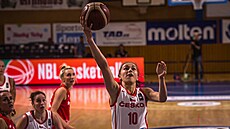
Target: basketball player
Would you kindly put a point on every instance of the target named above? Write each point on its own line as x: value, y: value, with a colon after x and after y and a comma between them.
x: 39, y: 118
x: 128, y: 103
x: 6, y: 107
x: 7, y: 83
x: 60, y: 101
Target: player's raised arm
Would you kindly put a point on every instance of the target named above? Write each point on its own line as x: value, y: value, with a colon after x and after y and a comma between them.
x: 111, y: 84
x: 161, y: 95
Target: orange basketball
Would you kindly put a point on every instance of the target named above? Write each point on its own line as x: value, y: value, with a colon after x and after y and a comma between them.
x: 97, y: 14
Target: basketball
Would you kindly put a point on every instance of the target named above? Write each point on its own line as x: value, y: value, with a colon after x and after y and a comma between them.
x: 97, y: 14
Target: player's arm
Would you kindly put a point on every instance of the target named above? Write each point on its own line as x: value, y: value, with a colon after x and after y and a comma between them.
x: 3, y: 124
x: 13, y: 93
x: 60, y: 95
x: 57, y: 120
x: 13, y: 88
x: 22, y: 122
x: 111, y: 85
x: 161, y: 95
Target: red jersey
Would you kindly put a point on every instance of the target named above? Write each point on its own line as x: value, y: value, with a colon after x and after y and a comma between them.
x: 8, y: 121
x: 64, y: 108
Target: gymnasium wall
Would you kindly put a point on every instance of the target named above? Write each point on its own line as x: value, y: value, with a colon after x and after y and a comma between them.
x: 118, y: 13
x: 216, y: 56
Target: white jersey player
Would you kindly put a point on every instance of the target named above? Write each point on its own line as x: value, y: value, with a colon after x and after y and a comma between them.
x: 128, y: 76
x: 32, y: 123
x: 129, y: 112
x: 39, y: 118
x: 6, y: 83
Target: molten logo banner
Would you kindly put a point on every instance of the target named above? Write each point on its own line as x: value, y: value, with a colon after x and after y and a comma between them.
x: 46, y: 71
x: 180, y: 32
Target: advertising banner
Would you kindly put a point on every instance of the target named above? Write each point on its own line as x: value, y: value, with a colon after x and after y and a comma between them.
x: 180, y: 32
x: 126, y: 33
x: 225, y: 31
x: 26, y: 33
x: 68, y: 33
x: 46, y: 71
x: 187, y: 2
x: 41, y: 4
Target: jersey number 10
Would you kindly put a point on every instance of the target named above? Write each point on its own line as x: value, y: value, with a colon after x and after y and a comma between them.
x: 133, y: 118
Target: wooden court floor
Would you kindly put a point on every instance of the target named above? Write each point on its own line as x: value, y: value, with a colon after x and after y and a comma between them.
x: 159, y: 115
x: 90, y: 110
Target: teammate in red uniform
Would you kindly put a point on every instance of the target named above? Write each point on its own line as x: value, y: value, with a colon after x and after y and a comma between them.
x: 39, y: 117
x: 60, y: 101
x: 6, y: 107
x: 128, y: 103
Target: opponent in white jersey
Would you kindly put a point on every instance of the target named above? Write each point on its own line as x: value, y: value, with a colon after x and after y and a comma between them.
x: 32, y: 123
x: 128, y: 75
x: 130, y: 110
x: 39, y: 118
x: 6, y: 83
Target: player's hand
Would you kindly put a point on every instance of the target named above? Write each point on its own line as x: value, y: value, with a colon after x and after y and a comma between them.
x: 82, y: 20
x: 86, y: 29
x: 13, y: 112
x: 161, y: 69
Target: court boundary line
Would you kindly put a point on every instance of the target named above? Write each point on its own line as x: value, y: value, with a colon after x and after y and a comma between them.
x: 211, y: 97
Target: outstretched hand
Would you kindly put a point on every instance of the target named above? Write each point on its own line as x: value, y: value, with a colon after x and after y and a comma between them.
x: 86, y: 29
x: 161, y: 69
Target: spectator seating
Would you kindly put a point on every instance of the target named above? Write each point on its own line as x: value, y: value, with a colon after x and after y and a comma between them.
x: 37, y: 50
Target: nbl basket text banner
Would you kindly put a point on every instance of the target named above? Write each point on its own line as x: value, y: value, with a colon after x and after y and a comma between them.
x: 46, y: 71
